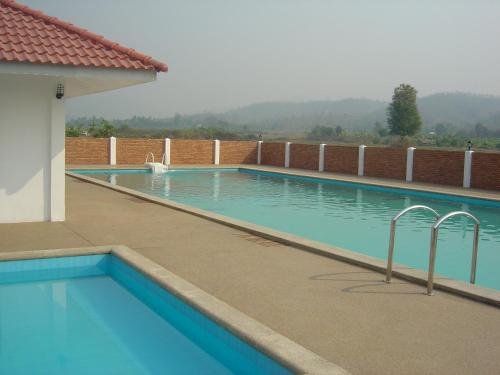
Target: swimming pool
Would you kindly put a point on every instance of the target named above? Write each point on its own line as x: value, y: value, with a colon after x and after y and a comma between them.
x: 95, y: 314
x: 348, y: 215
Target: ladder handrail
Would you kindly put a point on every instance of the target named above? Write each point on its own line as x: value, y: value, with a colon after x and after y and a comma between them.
x: 433, y: 246
x: 390, y: 255
x: 418, y: 206
x: 163, y: 158
x: 456, y: 213
x: 152, y: 157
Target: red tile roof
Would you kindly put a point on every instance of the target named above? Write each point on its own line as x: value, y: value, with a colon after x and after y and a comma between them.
x: 28, y: 35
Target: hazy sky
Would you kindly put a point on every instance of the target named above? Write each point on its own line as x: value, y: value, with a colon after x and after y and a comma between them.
x: 229, y: 53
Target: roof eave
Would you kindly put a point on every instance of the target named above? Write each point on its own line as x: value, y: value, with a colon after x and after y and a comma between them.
x: 81, y: 80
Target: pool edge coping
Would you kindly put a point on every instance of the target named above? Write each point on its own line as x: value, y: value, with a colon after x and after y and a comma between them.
x: 456, y: 287
x: 279, y: 348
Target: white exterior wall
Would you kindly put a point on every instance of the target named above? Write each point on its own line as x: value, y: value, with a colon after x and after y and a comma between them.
x: 32, y: 136
x: 31, y: 150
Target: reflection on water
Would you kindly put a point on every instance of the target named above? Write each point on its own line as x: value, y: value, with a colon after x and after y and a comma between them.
x: 354, y: 218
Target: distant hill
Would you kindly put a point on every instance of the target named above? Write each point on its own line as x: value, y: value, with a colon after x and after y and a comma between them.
x: 459, y: 109
x: 276, y: 115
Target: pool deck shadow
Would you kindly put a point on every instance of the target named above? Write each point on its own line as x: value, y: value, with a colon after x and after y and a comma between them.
x: 343, y: 312
x: 363, y: 285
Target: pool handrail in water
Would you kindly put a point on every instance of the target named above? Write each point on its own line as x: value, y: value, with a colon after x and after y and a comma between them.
x: 392, y: 234
x: 434, y: 238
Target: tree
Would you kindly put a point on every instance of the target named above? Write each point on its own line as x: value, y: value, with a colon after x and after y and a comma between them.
x: 104, y: 130
x: 481, y: 131
x: 444, y: 128
x: 380, y: 129
x: 319, y: 133
x: 402, y: 114
x: 72, y: 132
x: 339, y: 130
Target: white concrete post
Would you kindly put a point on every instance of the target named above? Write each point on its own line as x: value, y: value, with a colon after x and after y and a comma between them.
x: 167, y: 151
x: 57, y: 160
x: 467, y: 168
x: 216, y: 152
x: 321, y: 166
x: 361, y: 160
x: 409, y: 163
x: 112, y: 151
x: 287, y: 154
x: 259, y: 152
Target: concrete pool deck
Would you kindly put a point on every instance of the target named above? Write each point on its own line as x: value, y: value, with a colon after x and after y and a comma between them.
x: 414, y: 275
x: 343, y: 312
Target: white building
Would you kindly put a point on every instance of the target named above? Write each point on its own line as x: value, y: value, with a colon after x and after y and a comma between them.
x: 39, y: 56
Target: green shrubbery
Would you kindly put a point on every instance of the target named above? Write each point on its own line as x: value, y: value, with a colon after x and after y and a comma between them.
x: 105, y: 129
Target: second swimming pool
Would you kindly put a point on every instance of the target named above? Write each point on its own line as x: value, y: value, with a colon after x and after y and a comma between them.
x: 348, y: 215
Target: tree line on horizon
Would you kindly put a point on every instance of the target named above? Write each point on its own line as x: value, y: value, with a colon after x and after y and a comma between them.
x: 404, y: 123
x: 403, y: 119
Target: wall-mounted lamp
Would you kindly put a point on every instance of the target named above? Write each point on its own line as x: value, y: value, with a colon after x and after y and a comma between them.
x: 59, y: 91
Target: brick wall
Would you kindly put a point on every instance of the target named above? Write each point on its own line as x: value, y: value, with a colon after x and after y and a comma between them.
x: 238, y: 152
x: 485, y: 170
x: 438, y: 166
x: 429, y: 165
x: 134, y: 151
x: 385, y: 162
x: 304, y: 156
x: 87, y: 150
x: 273, y: 154
x: 191, y: 151
x: 341, y: 159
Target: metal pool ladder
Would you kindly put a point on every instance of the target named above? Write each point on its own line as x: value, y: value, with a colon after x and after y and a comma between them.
x: 390, y: 256
x: 152, y: 157
x: 434, y: 238
x: 433, y: 246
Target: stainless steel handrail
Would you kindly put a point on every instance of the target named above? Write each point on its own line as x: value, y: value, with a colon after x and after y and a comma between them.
x: 388, y: 274
x: 434, y: 238
x: 152, y: 157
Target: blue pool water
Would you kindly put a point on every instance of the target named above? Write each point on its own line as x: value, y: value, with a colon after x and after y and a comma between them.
x: 97, y: 315
x: 347, y: 215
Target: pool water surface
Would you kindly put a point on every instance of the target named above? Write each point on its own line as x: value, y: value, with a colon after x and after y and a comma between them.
x: 347, y: 215
x: 97, y: 315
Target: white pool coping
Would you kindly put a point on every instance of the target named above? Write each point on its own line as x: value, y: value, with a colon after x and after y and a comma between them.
x: 461, y: 288
x: 281, y: 349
